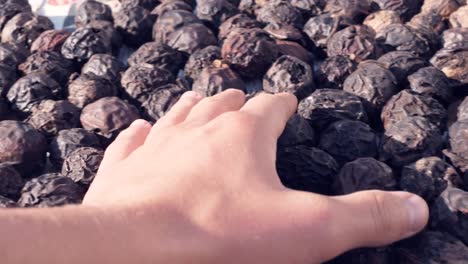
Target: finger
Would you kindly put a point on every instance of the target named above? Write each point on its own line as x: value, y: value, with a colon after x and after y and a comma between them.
x: 211, y: 107
x: 126, y: 142
x: 362, y: 219
x: 180, y: 110
x: 273, y: 112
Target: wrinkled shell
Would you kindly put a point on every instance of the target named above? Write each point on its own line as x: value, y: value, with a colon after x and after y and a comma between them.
x: 459, y: 18
x: 213, y: 80
x: 346, y: 147
x: 84, y: 43
x: 12, y: 54
x: 334, y: 71
x: 356, y: 42
x: 298, y: 131
x: 108, y: 116
x: 91, y: 10
x: 289, y: 75
x: 429, y: 177
x: 234, y: 22
x: 320, y: 29
x: 364, y: 174
x: 306, y: 168
x: 50, y: 40
x: 50, y: 190
x: 401, y: 37
x: 409, y: 140
x: 431, y: 82
x: 326, y: 106
x: 25, y: 27
x: 8, y: 77
x: 458, y: 135
x: 88, y: 88
x: 463, y: 110
x: 250, y: 52
x: 159, y: 55
x: 200, y: 59
x: 191, y: 38
x: 104, y: 65
x: 30, y: 90
x: 50, y: 63
x: 280, y: 12
x: 215, y: 12
x: 161, y: 101
x: 380, y: 19
x: 82, y: 164
x: 134, y: 24
x: 67, y: 141
x: 140, y: 80
x: 170, y: 22
x: 23, y: 147
x: 402, y: 64
x: 407, y: 104
x: 453, y: 63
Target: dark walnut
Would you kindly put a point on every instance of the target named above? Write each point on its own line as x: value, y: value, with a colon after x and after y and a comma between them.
x: 108, y: 32
x: 442, y: 7
x: 250, y: 52
x: 84, y: 43
x: 140, y: 80
x: 401, y: 37
x: 200, y: 59
x: 404, y: 8
x: 429, y: 177
x: 458, y: 136
x: 49, y: 117
x: 50, y: 40
x: 421, y: 249
x: 215, y: 12
x: 214, y: 79
x: 23, y: 147
x: 462, y: 113
x: 159, y: 102
x: 453, y: 63
x: 289, y: 75
x: 11, y: 182
x: 308, y: 7
x: 326, y: 106
x: 50, y: 190
x: 285, y: 32
x: 306, y: 168
x: 430, y: 26
x: 51, y: 63
x: 364, y: 174
x: 171, y: 5
x: 172, y: 21
x: 134, y: 24
x: 147, y: 4
x: 431, y: 82
x: 8, y: 77
x: 191, y: 38
x: 12, y: 54
x: 67, y: 141
x: 280, y: 12
x: 320, y: 28
x: 409, y: 140
x: 294, y: 49
x: 455, y: 38
x: 88, y: 88
x: 353, y: 12
x: 30, y: 90
x: 82, y: 164
x: 25, y: 27
x: 298, y: 131
x: 92, y: 10
x: 234, y: 22
x: 402, y: 64
x: 4, y: 110
x: 373, y: 83
x: 380, y: 19
x: 9, y: 10
x: 334, y: 71
x: 459, y: 19
x: 159, y: 55
x: 105, y: 66
x: 449, y: 213
x: 345, y: 146
x: 108, y: 116
x: 7, y: 203
x: 355, y: 42
x: 408, y: 104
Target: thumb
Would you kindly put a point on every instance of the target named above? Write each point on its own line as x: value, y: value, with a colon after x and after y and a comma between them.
x: 377, y: 218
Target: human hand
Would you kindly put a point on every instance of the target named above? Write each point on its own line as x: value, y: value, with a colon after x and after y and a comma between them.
x: 203, y: 188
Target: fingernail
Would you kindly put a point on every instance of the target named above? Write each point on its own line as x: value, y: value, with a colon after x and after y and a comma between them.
x: 418, y: 213
x: 140, y: 122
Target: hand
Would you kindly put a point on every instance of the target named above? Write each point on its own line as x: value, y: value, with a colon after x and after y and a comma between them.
x: 203, y: 181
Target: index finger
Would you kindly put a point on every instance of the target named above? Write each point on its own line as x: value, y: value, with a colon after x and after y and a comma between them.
x: 273, y: 111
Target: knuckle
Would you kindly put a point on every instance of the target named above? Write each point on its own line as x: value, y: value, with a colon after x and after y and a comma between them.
x: 240, y: 120
x: 381, y: 213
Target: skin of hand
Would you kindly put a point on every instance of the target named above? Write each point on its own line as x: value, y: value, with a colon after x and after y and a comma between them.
x: 201, y: 186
